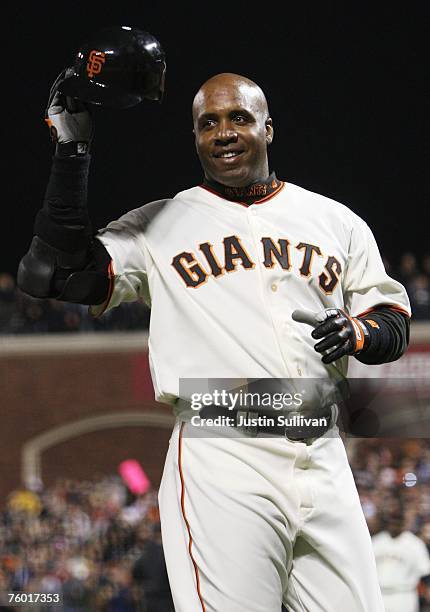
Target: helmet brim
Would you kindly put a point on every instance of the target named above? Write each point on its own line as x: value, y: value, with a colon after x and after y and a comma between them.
x: 95, y: 93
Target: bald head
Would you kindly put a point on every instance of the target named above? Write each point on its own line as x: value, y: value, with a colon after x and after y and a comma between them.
x: 232, y: 130
x: 228, y: 82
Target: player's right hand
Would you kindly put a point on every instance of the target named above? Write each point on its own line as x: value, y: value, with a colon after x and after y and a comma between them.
x: 69, y: 120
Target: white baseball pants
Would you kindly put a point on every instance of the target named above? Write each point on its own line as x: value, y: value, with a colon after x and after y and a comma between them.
x: 249, y: 523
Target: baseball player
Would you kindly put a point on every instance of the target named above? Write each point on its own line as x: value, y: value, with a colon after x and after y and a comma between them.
x: 402, y: 560
x: 248, y: 277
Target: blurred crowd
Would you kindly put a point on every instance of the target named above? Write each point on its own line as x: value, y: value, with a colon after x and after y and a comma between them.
x: 415, y: 276
x: 380, y: 468
x: 393, y: 480
x: 22, y: 314
x: 99, y: 545
x: 94, y: 543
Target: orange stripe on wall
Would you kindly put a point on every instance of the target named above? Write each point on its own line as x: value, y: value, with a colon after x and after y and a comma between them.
x: 196, y: 570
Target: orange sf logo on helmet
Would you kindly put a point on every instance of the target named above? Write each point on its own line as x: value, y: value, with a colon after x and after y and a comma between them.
x: 95, y: 63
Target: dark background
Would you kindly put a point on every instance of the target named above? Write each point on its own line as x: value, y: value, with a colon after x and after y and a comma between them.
x: 347, y: 88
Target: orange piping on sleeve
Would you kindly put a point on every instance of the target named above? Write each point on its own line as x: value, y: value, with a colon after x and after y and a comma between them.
x: 390, y: 306
x: 111, y: 274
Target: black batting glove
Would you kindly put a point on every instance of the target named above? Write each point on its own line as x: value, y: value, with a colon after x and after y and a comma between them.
x: 340, y: 333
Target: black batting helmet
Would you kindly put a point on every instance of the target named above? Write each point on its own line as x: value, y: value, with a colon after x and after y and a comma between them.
x: 117, y: 68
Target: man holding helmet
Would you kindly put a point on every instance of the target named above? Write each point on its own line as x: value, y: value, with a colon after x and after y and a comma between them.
x: 234, y: 269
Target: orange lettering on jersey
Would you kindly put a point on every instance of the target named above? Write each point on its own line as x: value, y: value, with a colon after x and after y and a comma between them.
x: 95, y: 62
x: 309, y: 249
x: 259, y: 189
x: 192, y: 275
x: 329, y: 281
x: 233, y: 251
x: 215, y: 266
x: 282, y: 254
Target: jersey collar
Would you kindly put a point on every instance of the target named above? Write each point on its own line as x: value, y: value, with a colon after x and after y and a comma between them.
x: 255, y: 193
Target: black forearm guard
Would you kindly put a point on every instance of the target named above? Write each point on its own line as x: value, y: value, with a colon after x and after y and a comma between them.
x: 63, y: 221
x: 389, y: 335
x: 64, y: 261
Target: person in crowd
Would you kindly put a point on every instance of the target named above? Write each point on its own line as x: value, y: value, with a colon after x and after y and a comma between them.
x: 149, y: 571
x: 8, y: 303
x: 402, y: 560
x: 407, y: 270
x: 419, y: 294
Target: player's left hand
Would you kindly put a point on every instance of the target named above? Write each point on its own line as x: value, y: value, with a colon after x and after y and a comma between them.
x: 338, y: 331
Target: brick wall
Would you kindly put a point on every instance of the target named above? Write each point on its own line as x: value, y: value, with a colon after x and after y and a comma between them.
x: 64, y: 382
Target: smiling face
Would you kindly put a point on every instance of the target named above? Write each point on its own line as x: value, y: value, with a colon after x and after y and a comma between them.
x: 232, y: 130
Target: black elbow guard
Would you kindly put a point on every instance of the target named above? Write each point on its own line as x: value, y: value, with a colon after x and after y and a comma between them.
x: 80, y: 277
x: 38, y: 268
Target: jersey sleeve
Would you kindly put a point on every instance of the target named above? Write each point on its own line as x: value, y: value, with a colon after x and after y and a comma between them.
x: 422, y: 559
x: 366, y: 282
x: 124, y: 240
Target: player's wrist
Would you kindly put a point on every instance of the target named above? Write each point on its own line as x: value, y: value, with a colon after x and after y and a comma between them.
x: 372, y: 336
x: 71, y: 149
x: 365, y: 339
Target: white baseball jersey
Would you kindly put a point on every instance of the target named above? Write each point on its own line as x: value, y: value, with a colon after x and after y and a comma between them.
x: 248, y: 523
x: 400, y: 562
x: 223, y: 280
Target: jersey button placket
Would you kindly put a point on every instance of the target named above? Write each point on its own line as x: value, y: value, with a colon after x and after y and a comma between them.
x: 278, y: 297
x: 271, y: 282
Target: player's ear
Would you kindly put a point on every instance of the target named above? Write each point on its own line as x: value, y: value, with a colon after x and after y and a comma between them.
x: 195, y: 138
x: 269, y: 130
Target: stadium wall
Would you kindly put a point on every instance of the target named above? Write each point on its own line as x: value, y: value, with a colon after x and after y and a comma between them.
x: 75, y: 406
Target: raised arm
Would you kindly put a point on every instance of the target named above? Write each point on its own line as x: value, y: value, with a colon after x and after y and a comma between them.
x: 117, y: 67
x: 64, y: 260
